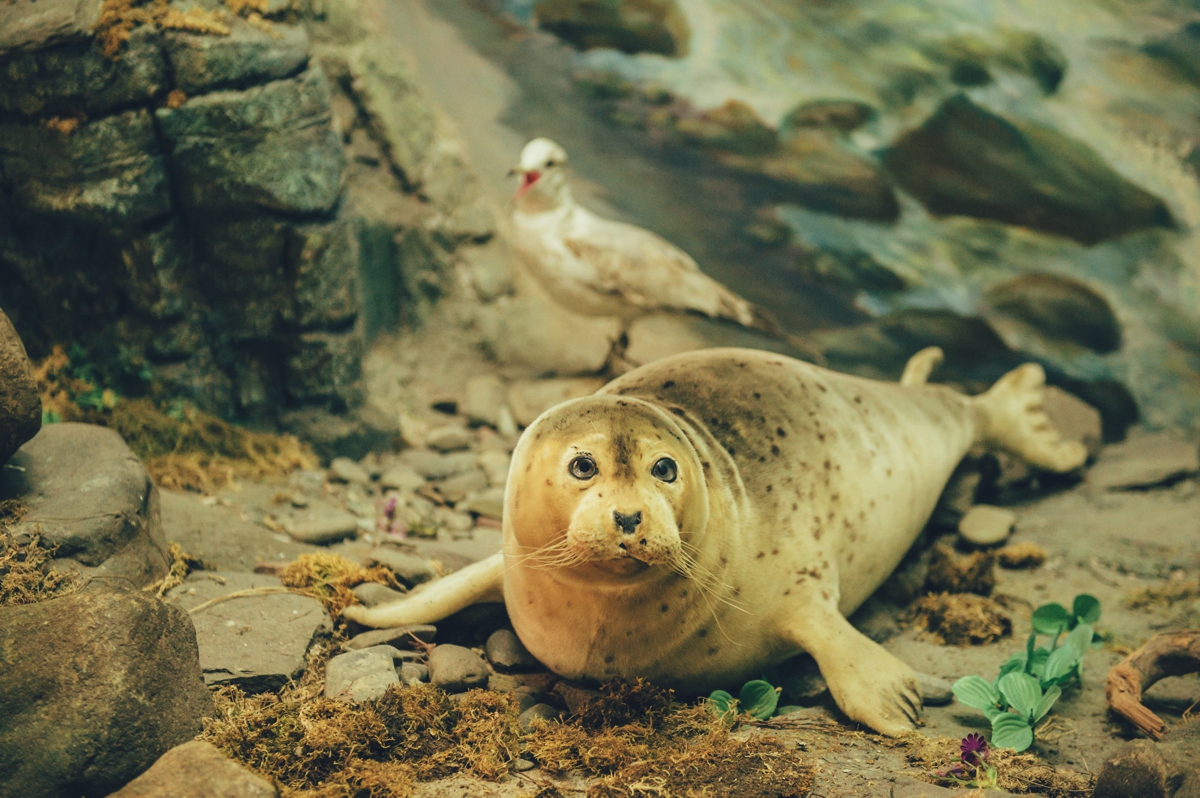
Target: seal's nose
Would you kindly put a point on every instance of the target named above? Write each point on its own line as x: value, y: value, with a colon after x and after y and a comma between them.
x: 627, y: 523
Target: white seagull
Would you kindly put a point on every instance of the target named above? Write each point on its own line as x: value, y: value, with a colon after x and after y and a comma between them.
x: 598, y: 267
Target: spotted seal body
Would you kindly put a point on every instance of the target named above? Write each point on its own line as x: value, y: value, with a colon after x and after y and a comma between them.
x: 714, y: 513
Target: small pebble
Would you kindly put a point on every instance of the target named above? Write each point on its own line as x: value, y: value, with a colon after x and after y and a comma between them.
x: 495, y: 465
x: 322, y: 526
x: 522, y: 764
x: 432, y: 465
x: 401, y: 476
x: 488, y: 503
x: 411, y: 568
x: 526, y: 697
x: 372, y: 594
x: 449, y: 439
x: 398, y: 636
x: 505, y: 650
x: 413, y: 673
x: 485, y: 396
x: 537, y: 712
x: 458, y: 487
x: 361, y: 675
x: 984, y: 525
x: 455, y: 669
x: 935, y: 692
x: 343, y: 469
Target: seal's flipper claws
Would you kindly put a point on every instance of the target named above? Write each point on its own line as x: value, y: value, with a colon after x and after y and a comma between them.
x: 477, y: 583
x: 1011, y: 418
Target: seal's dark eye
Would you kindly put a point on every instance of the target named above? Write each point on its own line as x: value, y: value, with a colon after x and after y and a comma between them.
x: 664, y: 469
x: 582, y: 467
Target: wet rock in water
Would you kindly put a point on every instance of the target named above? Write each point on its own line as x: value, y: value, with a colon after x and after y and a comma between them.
x: 1024, y: 554
x: 197, y: 769
x: 486, y: 396
x: 506, y: 652
x: 631, y: 26
x: 432, y: 465
x: 1144, y: 462
x: 401, y: 476
x: 257, y: 642
x: 960, y: 619
x: 411, y: 568
x: 202, y: 62
x: 362, y: 675
x: 227, y: 156
x: 1180, y: 51
x: 985, y: 525
x: 219, y: 538
x: 372, y: 594
x: 455, y: 669
x: 842, y: 115
x: 110, y: 172
x: 449, y: 439
x: 396, y: 636
x: 321, y: 524
x: 458, y: 487
x: 20, y: 404
x: 97, y: 685
x: 952, y: 572
x: 1169, y: 768
x: 935, y: 691
x: 529, y: 400
x: 965, y: 160
x: 1074, y: 418
x: 537, y: 712
x: 89, y: 495
x: 488, y: 503
x: 733, y: 127
x: 343, y: 469
x: 1058, y: 308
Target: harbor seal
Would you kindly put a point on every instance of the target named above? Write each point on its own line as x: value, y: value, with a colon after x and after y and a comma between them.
x: 714, y: 513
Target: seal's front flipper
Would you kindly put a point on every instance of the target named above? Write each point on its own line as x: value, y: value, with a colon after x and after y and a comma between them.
x: 870, y: 685
x: 1011, y: 418
x: 477, y: 583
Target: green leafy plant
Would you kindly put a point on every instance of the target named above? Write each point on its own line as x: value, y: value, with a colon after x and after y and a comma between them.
x: 757, y: 698
x: 1030, y: 681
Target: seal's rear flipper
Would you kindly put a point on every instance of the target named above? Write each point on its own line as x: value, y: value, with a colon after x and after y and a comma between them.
x: 1011, y: 418
x: 477, y: 583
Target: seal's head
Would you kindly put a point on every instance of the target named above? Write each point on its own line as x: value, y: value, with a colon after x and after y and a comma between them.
x: 543, y: 173
x: 604, y: 486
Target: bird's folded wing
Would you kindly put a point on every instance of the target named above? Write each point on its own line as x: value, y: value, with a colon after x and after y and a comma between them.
x: 641, y: 267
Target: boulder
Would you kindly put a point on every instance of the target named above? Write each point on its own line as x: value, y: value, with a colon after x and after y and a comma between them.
x: 73, y: 77
x: 245, y: 57
x: 967, y: 161
x: 1058, y: 308
x: 97, y: 686
x: 30, y: 24
x: 362, y: 675
x: 535, y: 334
x: 257, y: 642
x: 271, y: 146
x: 89, y: 495
x: 109, y: 172
x: 1144, y: 462
x: 1169, y: 768
x: 631, y: 26
x: 20, y: 404
x: 197, y: 770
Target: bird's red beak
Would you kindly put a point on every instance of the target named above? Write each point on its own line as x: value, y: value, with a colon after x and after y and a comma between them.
x: 527, y: 181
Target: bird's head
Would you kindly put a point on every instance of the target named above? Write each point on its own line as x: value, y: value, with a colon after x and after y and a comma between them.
x: 543, y: 173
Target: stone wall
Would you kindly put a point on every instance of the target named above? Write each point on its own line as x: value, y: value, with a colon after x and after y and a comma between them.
x: 212, y: 216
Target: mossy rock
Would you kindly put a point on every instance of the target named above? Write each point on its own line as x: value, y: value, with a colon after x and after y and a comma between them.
x: 967, y: 161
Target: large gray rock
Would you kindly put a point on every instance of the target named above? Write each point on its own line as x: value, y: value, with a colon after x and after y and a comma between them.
x: 31, y: 24
x: 399, y: 115
x: 90, y: 496
x: 246, y: 274
x: 271, y: 146
x: 108, y: 172
x: 324, y: 260
x: 505, y: 651
x: 256, y: 642
x: 20, y: 404
x: 965, y: 160
x: 197, y: 770
x: 362, y: 675
x: 220, y: 538
x: 70, y: 78
x: 245, y: 57
x: 97, y: 685
x: 158, y: 266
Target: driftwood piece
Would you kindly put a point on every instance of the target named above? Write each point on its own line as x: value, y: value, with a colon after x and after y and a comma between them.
x: 1167, y: 654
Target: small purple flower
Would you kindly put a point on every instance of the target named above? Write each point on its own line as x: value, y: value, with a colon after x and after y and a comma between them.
x: 389, y: 509
x: 974, y: 750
